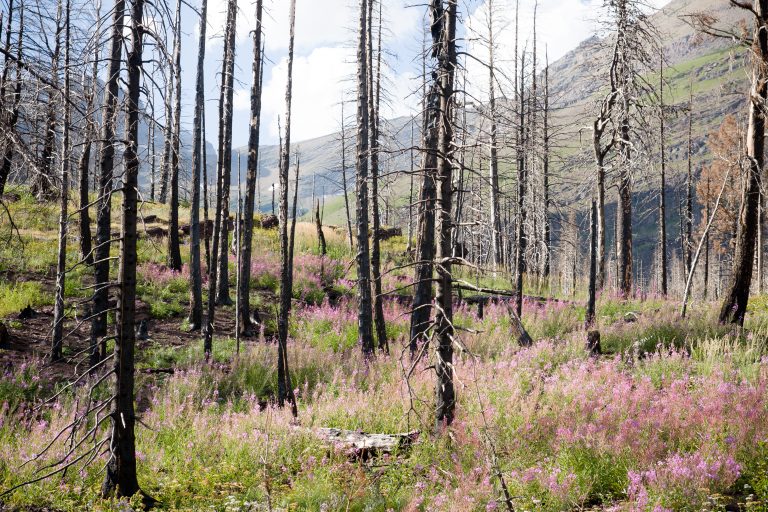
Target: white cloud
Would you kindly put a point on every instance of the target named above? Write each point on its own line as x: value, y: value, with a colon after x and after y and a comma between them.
x: 317, y: 85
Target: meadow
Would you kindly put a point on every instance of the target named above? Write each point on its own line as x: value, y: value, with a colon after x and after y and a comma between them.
x: 672, y: 416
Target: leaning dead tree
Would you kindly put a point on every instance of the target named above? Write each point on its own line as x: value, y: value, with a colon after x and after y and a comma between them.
x: 734, y: 306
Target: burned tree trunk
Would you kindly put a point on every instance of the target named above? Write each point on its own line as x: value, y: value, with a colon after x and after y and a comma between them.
x: 284, y: 388
x: 445, y: 48
x: 422, y: 297
x: 13, y: 109
x: 374, y: 96
x: 734, y: 306
x: 106, y: 173
x: 320, y: 235
x: 244, y: 288
x: 86, y: 245
x: 174, y: 252
x: 195, y: 270
x: 365, y: 314
x: 662, y: 191
x: 43, y: 184
x: 121, y: 468
x: 61, y: 261
x: 225, y: 153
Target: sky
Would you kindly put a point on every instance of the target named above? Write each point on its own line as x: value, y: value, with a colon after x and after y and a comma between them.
x: 324, y: 58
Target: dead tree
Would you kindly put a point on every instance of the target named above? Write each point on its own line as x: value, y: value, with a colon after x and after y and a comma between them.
x: 734, y: 306
x: 61, y: 260
x: 284, y: 388
x: 225, y: 152
x: 121, y: 467
x: 43, y: 182
x: 195, y: 270
x: 12, y: 106
x: 106, y: 172
x: 374, y: 100
x: 444, y: 50
x: 89, y: 137
x: 220, y: 233
x: 174, y: 252
x: 244, y: 288
x: 662, y: 186
x: 343, y: 140
x: 425, y: 254
x: 592, y: 292
x: 365, y: 313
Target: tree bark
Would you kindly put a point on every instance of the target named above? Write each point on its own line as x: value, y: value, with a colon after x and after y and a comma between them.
x: 61, y: 261
x: 446, y: 56
x: 374, y: 97
x: 244, y: 286
x: 734, y: 306
x: 225, y: 153
x: 174, y: 252
x: 13, y: 116
x: 590, y: 314
x: 43, y: 184
x: 284, y: 387
x: 663, y: 189
x: 104, y: 201
x: 195, y: 270
x: 365, y: 314
x: 121, y: 468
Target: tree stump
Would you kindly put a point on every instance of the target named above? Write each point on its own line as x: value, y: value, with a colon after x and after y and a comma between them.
x: 5, y: 338
x: 593, y: 343
x: 518, y: 330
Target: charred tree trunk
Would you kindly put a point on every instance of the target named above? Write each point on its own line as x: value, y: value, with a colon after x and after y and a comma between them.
x: 545, y: 169
x: 590, y: 314
x: 43, y: 184
x: 244, y: 288
x: 86, y: 245
x: 493, y: 143
x: 520, y: 240
x: 195, y: 270
x: 121, y: 468
x: 225, y: 153
x: 374, y: 96
x: 13, y: 115
x: 663, y: 190
x: 284, y: 388
x: 425, y: 254
x: 344, y: 177
x: 446, y: 55
x: 734, y: 306
x: 320, y: 235
x: 364, y: 316
x: 61, y: 261
x: 174, y: 252
x: 104, y: 202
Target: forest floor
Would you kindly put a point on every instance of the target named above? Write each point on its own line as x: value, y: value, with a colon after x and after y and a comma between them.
x: 672, y: 416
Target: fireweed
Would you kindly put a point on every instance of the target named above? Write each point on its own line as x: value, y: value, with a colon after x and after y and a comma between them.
x: 663, y: 432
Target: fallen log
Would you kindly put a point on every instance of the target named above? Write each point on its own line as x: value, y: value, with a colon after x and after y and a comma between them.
x: 364, y: 446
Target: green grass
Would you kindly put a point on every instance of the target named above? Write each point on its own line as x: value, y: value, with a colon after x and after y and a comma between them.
x: 15, y: 297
